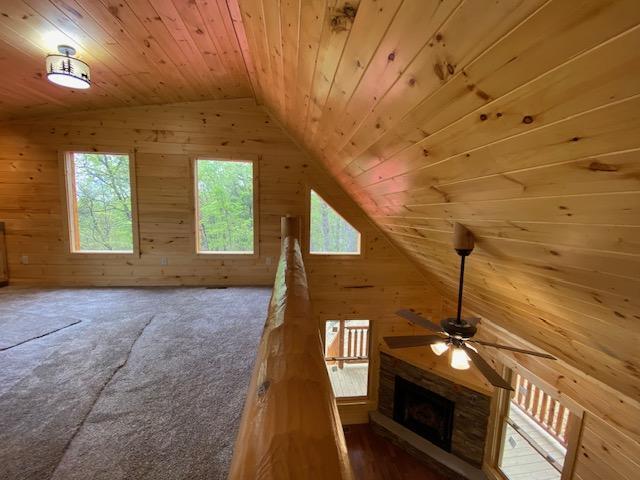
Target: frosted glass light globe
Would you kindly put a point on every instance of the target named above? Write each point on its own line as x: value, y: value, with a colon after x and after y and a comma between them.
x: 439, y: 348
x: 459, y: 359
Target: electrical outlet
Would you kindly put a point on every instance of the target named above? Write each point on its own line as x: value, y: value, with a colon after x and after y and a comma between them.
x: 24, y: 259
x: 269, y: 260
x: 164, y: 261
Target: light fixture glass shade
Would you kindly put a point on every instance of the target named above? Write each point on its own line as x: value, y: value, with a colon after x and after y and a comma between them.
x: 459, y: 359
x: 67, y: 71
x: 439, y: 348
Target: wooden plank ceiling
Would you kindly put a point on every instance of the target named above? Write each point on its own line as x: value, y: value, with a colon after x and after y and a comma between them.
x: 520, y: 119
x: 140, y: 52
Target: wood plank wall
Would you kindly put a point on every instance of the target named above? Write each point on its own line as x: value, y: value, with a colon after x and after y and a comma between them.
x: 164, y: 138
x: 519, y: 119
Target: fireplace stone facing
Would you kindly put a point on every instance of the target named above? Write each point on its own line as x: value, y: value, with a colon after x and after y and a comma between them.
x: 423, y: 412
x: 468, y: 427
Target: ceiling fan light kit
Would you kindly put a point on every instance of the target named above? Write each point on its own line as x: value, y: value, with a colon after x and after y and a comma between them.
x: 459, y: 359
x: 439, y: 348
x: 455, y: 334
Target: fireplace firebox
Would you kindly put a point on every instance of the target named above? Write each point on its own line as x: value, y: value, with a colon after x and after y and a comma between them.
x: 424, y: 412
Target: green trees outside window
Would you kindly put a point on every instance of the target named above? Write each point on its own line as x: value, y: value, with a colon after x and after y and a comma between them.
x: 225, y: 206
x: 330, y: 233
x: 100, y: 202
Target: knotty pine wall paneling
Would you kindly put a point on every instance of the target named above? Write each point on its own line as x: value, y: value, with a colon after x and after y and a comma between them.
x: 164, y: 140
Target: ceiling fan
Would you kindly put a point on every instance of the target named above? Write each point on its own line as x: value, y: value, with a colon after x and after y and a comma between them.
x: 454, y: 334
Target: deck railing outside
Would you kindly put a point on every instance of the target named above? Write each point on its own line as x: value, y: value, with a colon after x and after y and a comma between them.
x: 290, y: 428
x: 353, y: 344
x: 547, y: 412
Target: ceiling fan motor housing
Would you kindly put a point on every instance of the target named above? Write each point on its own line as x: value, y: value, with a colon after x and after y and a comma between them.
x: 463, y: 241
x: 463, y: 329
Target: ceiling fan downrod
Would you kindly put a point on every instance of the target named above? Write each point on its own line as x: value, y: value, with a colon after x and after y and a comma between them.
x: 463, y: 243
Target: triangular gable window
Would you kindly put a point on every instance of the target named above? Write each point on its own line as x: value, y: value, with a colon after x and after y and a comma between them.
x: 330, y: 233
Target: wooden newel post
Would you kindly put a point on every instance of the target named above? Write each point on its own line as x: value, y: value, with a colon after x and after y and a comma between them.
x: 290, y: 227
x: 290, y: 428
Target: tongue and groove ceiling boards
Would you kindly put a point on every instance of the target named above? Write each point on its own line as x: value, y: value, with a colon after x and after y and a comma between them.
x: 520, y: 119
x: 140, y: 52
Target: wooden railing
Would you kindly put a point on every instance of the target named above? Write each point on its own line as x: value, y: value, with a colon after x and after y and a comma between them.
x: 356, y: 347
x: 353, y: 344
x: 547, y: 412
x: 290, y: 428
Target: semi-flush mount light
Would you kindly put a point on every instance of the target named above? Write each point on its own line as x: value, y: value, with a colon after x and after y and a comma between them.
x: 67, y: 71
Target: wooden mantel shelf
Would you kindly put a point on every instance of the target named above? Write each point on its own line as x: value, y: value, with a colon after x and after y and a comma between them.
x: 426, y: 360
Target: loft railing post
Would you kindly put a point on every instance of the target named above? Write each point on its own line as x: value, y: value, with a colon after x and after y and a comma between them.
x: 290, y: 428
x: 290, y: 227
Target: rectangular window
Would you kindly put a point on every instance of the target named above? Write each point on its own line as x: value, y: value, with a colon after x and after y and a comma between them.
x: 346, y: 353
x: 99, y: 202
x: 225, y: 206
x: 330, y: 234
x: 536, y: 436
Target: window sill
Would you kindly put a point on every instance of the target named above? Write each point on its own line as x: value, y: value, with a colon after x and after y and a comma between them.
x: 336, y: 254
x: 227, y: 254
x: 103, y: 252
x: 352, y: 400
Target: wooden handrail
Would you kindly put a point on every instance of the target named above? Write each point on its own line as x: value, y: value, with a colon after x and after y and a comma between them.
x: 290, y: 427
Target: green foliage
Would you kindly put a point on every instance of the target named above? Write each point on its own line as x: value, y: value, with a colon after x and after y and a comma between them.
x: 330, y: 233
x: 225, y: 201
x: 103, y: 196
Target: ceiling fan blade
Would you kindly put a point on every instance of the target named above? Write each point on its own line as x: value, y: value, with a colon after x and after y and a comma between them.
x: 413, y: 341
x: 489, y: 373
x: 472, y: 320
x: 419, y: 320
x: 514, y: 349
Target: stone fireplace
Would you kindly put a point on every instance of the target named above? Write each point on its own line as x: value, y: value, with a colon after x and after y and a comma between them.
x: 424, y: 412
x: 443, y: 414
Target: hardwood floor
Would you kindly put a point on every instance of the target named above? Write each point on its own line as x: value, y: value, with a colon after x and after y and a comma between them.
x: 375, y: 458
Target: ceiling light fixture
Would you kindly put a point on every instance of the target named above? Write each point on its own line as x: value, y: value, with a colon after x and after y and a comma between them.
x: 439, y: 348
x: 457, y: 333
x: 459, y: 359
x: 67, y: 71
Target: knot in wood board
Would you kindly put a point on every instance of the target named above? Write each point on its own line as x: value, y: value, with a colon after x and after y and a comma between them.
x: 262, y: 389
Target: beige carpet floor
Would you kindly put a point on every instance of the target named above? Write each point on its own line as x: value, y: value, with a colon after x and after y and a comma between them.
x: 124, y: 383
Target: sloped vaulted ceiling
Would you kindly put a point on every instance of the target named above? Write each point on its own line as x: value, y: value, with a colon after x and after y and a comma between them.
x: 520, y: 119
x: 517, y: 118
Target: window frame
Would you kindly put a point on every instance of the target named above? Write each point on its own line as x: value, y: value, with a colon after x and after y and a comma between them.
x: 361, y: 399
x: 307, y: 234
x: 502, y: 400
x: 69, y: 201
x: 255, y: 161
